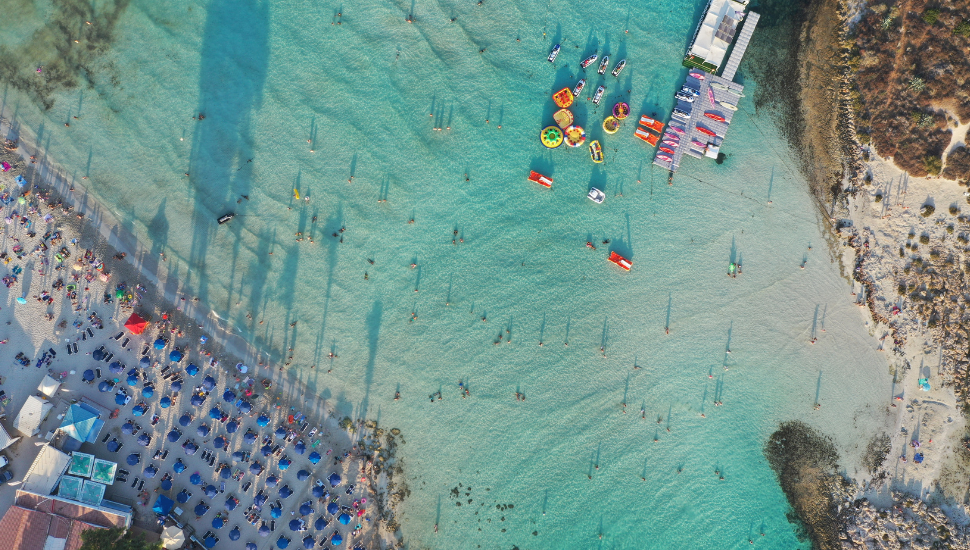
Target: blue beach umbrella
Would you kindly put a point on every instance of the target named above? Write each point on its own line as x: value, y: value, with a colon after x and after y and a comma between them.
x: 320, y: 524
x: 249, y: 438
x: 332, y: 508
x: 185, y: 420
x: 201, y: 509
x: 175, y: 356
x: 174, y: 436
x: 145, y: 362
x: 115, y: 367
x: 120, y: 399
x: 128, y: 427
x: 179, y: 466
x: 275, y: 512
x: 255, y: 468
x: 264, y: 530
x: 283, y: 542
x: 285, y: 491
x: 139, y: 410
x: 306, y: 509
x: 231, y: 504
x: 225, y: 472
x: 219, y: 442
x: 218, y: 522
x: 197, y: 400
x: 165, y: 402
x: 210, y: 541
x: 317, y: 491
x: 104, y: 386
x: 308, y: 542
x: 238, y: 456
x: 132, y: 380
x: 314, y: 457
x: 148, y: 391
x: 245, y: 407
x: 113, y: 446
x: 334, y: 479
x: 167, y: 484
x: 182, y: 497
x: 344, y: 518
x: 232, y: 426
x: 228, y: 396
x: 144, y: 439
x: 234, y: 534
x: 208, y: 383
x: 98, y: 355
x: 163, y: 505
x: 300, y: 447
x: 272, y: 481
x: 191, y: 370
x: 151, y: 471
x: 262, y: 420
x: 176, y: 386
x: 302, y: 475
x: 259, y: 500
x: 195, y: 479
x: 159, y: 344
x: 296, y: 525
x: 284, y: 463
x: 266, y: 450
x: 88, y: 375
x: 215, y: 413
x: 280, y: 432
x: 210, y: 491
x: 336, y: 539
x: 202, y: 430
x: 133, y: 459
x: 190, y: 448
x: 251, y: 546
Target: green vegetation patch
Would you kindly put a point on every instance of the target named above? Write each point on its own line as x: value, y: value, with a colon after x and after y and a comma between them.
x: 931, y: 16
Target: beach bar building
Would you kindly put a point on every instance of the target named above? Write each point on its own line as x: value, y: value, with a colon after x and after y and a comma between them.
x: 34, y: 411
x: 715, y: 33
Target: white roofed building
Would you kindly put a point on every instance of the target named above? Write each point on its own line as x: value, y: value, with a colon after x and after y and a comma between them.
x: 31, y: 415
x: 715, y: 33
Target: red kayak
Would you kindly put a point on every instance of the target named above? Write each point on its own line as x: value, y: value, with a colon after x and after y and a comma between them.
x: 713, y: 116
x: 704, y: 130
x: 667, y: 150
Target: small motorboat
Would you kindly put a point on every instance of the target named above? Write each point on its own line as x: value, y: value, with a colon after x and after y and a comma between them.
x: 664, y: 158
x: 595, y: 151
x: 540, y: 179
x: 647, y: 136
x: 604, y: 64
x: 714, y: 116
x: 704, y: 130
x: 596, y: 195
x: 579, y: 87
x: 620, y: 261
x: 670, y: 143
x: 554, y: 52
x: 684, y: 97
x: 226, y: 217
x: 651, y: 123
x: 589, y: 61
x: 619, y: 67
x: 727, y: 105
x: 598, y: 95
x: 697, y: 75
x: 667, y: 150
x: 719, y: 86
x: 677, y: 129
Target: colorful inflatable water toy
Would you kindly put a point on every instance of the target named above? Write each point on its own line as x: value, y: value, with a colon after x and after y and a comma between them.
x: 575, y: 136
x: 621, y: 110
x: 595, y: 151
x: 540, y: 179
x: 620, y: 261
x: 563, y: 118
x: 651, y: 123
x: 647, y: 136
x: 551, y: 136
x: 296, y: 194
x: 563, y: 98
x: 611, y: 125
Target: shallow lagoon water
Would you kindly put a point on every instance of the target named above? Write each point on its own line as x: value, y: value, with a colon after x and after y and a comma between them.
x: 269, y: 76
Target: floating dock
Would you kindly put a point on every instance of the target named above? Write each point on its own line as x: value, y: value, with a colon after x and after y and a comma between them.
x: 714, y: 95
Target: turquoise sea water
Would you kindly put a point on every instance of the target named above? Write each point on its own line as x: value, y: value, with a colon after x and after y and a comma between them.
x: 269, y: 76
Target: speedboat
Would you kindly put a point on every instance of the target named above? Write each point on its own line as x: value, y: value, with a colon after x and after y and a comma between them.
x: 684, y: 97
x: 655, y: 125
x: 697, y: 75
x: 677, y: 129
x: 647, y: 136
x: 704, y: 130
x: 540, y: 179
x: 620, y: 261
x: 665, y: 158
x: 579, y: 87
x: 714, y: 116
x: 595, y: 151
x: 598, y: 95
x: 596, y: 195
x: 554, y: 52
x: 667, y: 150
x: 226, y: 217
x: 671, y: 143
x: 727, y: 105
x: 619, y: 67
x: 589, y: 61
x: 604, y: 64
x: 719, y: 86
